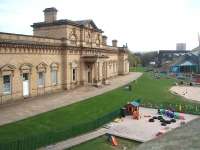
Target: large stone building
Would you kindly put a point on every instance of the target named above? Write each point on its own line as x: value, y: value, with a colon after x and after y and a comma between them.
x: 61, y: 54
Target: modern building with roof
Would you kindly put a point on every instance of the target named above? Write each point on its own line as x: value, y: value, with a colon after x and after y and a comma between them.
x: 168, y: 56
x: 187, y: 64
x: 61, y: 54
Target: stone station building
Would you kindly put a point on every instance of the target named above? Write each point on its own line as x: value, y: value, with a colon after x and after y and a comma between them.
x: 61, y: 55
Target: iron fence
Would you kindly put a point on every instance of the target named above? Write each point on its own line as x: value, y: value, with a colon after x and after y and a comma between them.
x: 183, y: 108
x: 35, y: 141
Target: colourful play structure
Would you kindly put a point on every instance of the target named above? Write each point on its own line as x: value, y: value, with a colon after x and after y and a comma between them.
x: 133, y: 109
x: 171, y: 114
x: 113, y: 140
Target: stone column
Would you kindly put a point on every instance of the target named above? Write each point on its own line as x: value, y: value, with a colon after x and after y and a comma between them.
x: 96, y: 72
x: 1, y: 86
x: 69, y: 72
x: 100, y: 71
x: 82, y: 72
x: 106, y: 70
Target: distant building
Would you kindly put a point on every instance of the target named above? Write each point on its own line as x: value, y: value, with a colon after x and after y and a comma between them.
x: 180, y: 46
x: 167, y: 56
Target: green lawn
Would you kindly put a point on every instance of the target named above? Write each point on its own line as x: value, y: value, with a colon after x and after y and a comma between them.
x: 146, y: 88
x: 102, y: 143
x: 156, y: 91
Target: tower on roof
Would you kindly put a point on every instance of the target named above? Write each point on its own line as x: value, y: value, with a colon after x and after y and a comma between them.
x: 50, y: 14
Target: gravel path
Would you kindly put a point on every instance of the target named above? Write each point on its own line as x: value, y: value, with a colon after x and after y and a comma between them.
x: 28, y: 108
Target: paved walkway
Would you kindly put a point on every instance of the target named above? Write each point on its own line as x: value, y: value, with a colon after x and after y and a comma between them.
x: 76, y: 141
x: 43, y: 104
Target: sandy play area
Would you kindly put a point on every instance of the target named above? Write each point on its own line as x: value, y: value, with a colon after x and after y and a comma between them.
x: 189, y: 92
x: 142, y: 130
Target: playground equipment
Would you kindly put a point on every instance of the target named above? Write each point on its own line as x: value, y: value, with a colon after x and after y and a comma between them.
x: 171, y: 114
x: 133, y: 109
x: 113, y: 140
x: 161, y: 132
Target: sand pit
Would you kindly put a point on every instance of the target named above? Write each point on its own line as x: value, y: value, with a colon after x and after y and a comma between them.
x: 189, y: 92
x: 142, y: 130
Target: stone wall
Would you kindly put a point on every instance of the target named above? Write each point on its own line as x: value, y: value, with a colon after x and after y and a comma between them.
x: 28, y: 54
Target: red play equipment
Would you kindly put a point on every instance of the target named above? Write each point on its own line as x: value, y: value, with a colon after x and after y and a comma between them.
x: 114, y: 141
x: 133, y: 109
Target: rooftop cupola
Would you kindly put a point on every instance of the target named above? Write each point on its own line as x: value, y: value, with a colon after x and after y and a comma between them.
x: 50, y: 14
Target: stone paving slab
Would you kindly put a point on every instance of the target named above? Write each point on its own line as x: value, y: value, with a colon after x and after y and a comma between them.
x: 142, y: 130
x: 28, y: 108
x: 76, y: 141
x: 183, y: 138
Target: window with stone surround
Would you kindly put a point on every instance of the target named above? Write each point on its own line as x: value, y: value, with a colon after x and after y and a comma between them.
x: 41, y: 79
x: 7, y: 84
x: 54, y: 73
x: 6, y: 74
x: 54, y: 77
x: 74, y: 74
x: 74, y: 66
x: 41, y: 69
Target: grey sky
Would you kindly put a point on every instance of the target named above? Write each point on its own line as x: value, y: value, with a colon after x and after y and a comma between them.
x: 144, y: 24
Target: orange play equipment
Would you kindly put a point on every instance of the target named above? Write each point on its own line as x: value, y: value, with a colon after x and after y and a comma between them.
x: 113, y: 140
x: 133, y: 109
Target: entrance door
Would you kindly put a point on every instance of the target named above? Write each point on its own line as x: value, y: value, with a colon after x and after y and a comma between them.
x: 89, y: 77
x: 25, y: 84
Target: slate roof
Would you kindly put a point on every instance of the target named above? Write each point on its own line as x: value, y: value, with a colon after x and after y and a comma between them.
x: 79, y: 23
x: 187, y: 59
x: 196, y: 48
x: 50, y: 9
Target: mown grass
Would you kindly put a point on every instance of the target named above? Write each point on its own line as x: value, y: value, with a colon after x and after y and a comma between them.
x: 146, y: 88
x: 68, y: 116
x: 102, y: 143
x: 150, y: 90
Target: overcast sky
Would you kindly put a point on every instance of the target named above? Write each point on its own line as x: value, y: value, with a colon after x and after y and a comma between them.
x: 145, y: 25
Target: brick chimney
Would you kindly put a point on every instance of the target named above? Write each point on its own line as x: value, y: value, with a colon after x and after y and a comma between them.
x: 50, y: 14
x: 114, y: 43
x: 104, y: 38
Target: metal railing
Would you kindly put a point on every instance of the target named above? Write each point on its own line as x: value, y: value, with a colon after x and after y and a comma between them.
x: 35, y: 141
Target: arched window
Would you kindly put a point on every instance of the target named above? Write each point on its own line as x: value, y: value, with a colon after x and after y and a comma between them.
x: 54, y: 73
x: 7, y: 72
x: 74, y: 66
x: 41, y: 69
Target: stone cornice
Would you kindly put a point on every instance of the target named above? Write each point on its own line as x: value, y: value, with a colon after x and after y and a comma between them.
x: 11, y: 47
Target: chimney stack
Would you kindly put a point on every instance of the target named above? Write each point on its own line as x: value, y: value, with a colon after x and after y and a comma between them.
x: 114, y: 43
x: 50, y: 14
x: 104, y: 40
